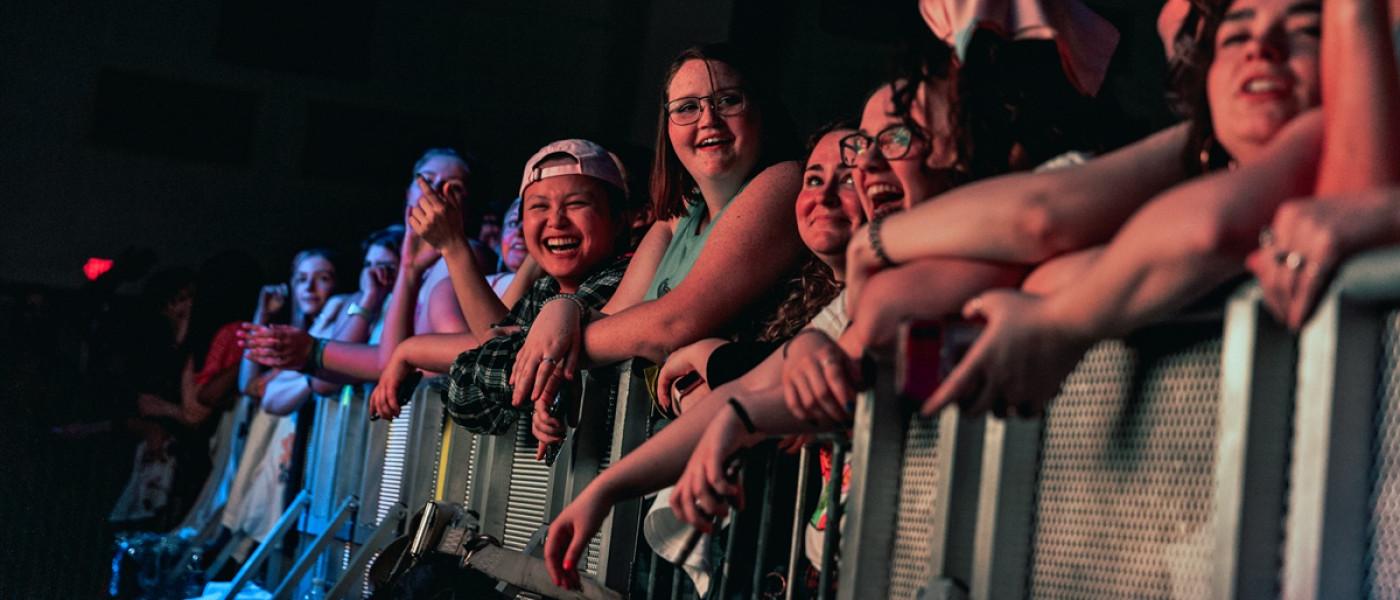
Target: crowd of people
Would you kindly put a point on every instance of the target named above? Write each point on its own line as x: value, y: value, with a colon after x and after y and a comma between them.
x: 758, y: 274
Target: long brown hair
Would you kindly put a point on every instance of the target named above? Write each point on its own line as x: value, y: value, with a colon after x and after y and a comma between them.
x: 814, y: 286
x: 672, y: 187
x: 1193, y: 51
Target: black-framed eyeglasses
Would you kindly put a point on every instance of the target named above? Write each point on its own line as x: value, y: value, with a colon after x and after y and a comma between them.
x: 893, y: 142
x: 687, y: 110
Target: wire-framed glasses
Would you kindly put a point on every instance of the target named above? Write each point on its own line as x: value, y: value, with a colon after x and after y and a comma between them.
x: 686, y: 110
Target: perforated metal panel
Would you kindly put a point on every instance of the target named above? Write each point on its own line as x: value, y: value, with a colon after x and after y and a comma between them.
x: 595, y: 545
x: 391, y: 479
x: 918, y: 490
x: 1126, y: 483
x: 1383, y: 576
x: 473, y: 457
x: 529, y: 489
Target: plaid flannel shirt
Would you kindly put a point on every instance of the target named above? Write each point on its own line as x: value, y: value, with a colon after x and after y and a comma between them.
x: 478, y: 393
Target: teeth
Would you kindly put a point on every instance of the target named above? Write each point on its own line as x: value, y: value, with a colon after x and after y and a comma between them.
x: 711, y: 141
x: 561, y: 243
x: 1260, y: 85
x: 881, y: 188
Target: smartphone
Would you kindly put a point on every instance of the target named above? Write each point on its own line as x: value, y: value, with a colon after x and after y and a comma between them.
x: 929, y: 350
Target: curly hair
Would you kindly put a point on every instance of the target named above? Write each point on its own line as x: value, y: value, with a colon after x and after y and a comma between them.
x: 1193, y: 51
x: 1007, y: 95
x: 814, y: 285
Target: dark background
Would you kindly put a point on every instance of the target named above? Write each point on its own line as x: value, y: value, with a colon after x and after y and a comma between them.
x: 267, y: 126
x: 196, y: 126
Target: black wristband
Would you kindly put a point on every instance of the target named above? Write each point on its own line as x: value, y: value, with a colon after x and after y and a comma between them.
x: 743, y: 415
x: 314, y: 362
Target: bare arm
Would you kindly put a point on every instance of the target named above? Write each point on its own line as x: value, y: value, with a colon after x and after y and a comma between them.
x: 477, y: 300
x: 1189, y: 239
x: 1360, y: 98
x: 925, y: 289
x: 444, y: 314
x: 1025, y: 218
x: 398, y: 321
x: 525, y: 277
x: 642, y: 268
x: 759, y: 223
x: 658, y: 462
x: 435, y: 351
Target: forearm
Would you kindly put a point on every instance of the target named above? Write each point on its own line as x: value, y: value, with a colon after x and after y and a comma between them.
x: 398, y: 321
x: 1189, y: 239
x: 1360, y: 98
x: 343, y: 362
x: 1025, y: 218
x: 435, y: 352
x: 906, y: 293
x: 525, y: 277
x: 479, y: 303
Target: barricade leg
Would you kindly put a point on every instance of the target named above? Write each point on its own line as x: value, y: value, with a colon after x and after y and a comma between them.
x: 381, y: 537
x: 347, y: 508
x: 284, y: 523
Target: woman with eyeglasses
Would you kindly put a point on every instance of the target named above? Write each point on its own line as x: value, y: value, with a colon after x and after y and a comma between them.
x: 722, y: 183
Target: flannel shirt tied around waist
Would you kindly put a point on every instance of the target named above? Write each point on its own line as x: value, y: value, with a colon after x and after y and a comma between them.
x: 478, y: 392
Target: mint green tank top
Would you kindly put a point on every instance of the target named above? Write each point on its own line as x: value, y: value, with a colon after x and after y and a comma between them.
x: 685, y: 247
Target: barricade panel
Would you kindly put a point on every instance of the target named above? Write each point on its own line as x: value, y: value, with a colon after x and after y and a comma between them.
x: 918, y: 494
x: 529, y: 490
x: 1126, y: 481
x: 1383, y: 577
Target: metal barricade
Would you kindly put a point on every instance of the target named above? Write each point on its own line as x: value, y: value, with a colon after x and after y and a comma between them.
x: 399, y: 471
x: 1342, y: 521
x: 1158, y: 472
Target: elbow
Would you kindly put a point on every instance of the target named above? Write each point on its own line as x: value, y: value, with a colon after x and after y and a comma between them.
x: 665, y: 337
x: 1044, y: 232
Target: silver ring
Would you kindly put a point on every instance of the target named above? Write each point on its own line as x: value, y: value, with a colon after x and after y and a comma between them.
x: 1294, y: 261
x: 549, y: 360
x: 1266, y: 237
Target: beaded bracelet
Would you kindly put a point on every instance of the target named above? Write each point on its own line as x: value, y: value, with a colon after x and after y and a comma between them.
x: 875, y: 245
x: 583, y: 312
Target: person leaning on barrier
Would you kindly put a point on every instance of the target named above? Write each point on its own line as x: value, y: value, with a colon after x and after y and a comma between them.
x: 722, y: 183
x: 1257, y: 81
x: 661, y: 459
x: 574, y: 220
x: 422, y: 300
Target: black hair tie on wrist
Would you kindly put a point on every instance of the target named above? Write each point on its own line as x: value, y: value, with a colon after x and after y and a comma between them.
x: 743, y: 415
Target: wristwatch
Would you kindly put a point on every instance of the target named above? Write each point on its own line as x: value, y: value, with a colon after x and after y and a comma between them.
x: 356, y: 309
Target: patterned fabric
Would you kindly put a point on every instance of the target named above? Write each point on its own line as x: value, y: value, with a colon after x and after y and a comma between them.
x: 478, y: 393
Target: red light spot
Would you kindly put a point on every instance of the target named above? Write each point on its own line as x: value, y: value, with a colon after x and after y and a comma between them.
x: 95, y: 267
